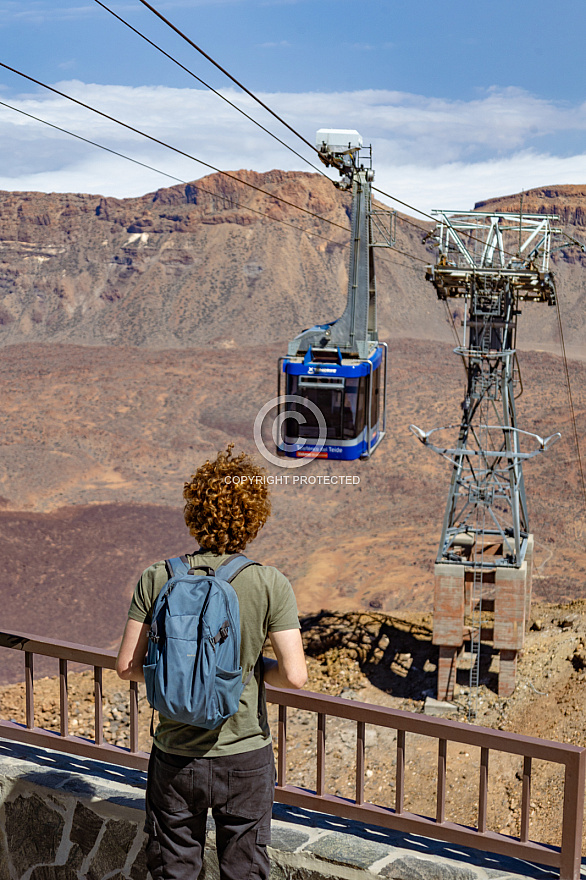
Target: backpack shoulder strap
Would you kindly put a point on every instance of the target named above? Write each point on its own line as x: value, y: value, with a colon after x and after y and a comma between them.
x: 233, y: 566
x: 177, y: 566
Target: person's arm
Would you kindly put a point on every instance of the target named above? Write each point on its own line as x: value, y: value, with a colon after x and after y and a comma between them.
x: 289, y: 669
x: 132, y: 651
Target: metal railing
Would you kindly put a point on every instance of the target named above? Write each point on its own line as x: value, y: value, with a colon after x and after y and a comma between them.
x: 573, y: 758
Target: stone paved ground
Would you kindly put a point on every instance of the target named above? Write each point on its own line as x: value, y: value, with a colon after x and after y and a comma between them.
x: 62, y: 818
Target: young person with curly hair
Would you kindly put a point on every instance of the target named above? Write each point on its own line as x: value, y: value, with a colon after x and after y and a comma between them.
x: 229, y: 769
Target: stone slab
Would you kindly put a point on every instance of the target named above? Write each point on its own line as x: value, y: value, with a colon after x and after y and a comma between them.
x: 439, y: 707
x: 95, y: 830
x: 343, y: 849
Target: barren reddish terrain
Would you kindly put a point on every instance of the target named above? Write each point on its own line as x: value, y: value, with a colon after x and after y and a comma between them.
x: 97, y: 443
x: 139, y: 336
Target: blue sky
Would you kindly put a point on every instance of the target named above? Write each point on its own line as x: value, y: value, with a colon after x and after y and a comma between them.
x: 461, y: 100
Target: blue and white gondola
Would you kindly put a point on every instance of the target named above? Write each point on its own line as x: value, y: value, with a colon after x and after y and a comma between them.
x: 350, y: 394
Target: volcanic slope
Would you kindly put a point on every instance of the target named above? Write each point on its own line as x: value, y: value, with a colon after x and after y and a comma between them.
x: 193, y: 265
x: 139, y: 336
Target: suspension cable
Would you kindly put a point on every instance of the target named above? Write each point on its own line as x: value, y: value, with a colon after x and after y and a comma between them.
x: 267, y: 108
x: 262, y: 104
x: 211, y: 88
x: 571, y: 401
x: 92, y: 143
x: 258, y: 100
x: 175, y: 149
x: 229, y: 75
x: 171, y: 176
x: 248, y: 92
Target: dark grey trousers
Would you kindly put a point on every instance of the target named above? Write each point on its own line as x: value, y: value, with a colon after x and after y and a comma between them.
x: 238, y: 788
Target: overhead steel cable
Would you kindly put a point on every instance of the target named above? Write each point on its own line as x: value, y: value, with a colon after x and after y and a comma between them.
x: 265, y: 106
x: 407, y: 254
x: 171, y: 176
x: 92, y: 143
x: 253, y: 96
x: 211, y: 88
x: 405, y: 204
x: 248, y: 92
x: 229, y: 75
x: 174, y: 149
x: 572, y: 240
x: 571, y: 401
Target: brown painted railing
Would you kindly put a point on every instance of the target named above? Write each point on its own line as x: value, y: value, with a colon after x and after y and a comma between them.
x: 573, y: 758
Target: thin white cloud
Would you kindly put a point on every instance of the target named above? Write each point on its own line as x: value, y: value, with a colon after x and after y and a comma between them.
x: 428, y: 151
x: 457, y: 186
x: 367, y: 47
x: 40, y: 12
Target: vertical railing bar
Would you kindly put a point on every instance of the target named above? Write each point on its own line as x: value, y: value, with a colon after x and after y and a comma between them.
x: 98, y: 707
x: 134, y: 716
x: 360, y: 748
x: 525, y: 799
x: 63, y: 699
x: 321, y: 754
x: 282, y: 745
x: 440, y: 813
x: 483, y: 790
x: 29, y: 696
x: 574, y: 762
x: 572, y: 817
x: 400, y: 776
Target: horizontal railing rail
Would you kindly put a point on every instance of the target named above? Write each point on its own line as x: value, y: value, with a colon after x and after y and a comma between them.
x: 566, y: 858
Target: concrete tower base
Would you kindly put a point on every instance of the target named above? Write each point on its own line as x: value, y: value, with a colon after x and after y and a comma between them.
x: 452, y: 601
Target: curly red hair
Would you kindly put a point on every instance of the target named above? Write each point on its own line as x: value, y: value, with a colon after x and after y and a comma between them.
x: 227, y: 502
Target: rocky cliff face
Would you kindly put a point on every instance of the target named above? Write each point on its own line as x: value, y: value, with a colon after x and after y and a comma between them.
x: 195, y: 264
x: 205, y: 264
x: 568, y: 202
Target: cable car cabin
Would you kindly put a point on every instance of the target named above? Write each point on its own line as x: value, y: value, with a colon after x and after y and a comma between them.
x: 349, y: 392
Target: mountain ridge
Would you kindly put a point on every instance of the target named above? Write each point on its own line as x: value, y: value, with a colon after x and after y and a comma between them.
x: 194, y: 265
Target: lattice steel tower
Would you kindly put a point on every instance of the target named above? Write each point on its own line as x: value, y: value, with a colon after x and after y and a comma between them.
x: 493, y: 261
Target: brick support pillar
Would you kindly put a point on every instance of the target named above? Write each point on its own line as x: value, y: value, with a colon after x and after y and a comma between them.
x: 448, y: 624
x: 446, y: 672
x: 509, y: 622
x: 509, y: 607
x: 529, y: 581
x: 507, y: 673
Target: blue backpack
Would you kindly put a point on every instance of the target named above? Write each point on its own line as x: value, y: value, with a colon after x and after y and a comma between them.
x: 192, y: 668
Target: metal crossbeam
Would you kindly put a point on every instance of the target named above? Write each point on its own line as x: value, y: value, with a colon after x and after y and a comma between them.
x: 504, y: 250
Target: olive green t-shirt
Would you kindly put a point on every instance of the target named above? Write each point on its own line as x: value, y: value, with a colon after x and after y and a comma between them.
x: 267, y: 604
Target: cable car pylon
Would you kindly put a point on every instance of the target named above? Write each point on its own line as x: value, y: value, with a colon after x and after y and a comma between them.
x: 338, y: 369
x: 494, y: 262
